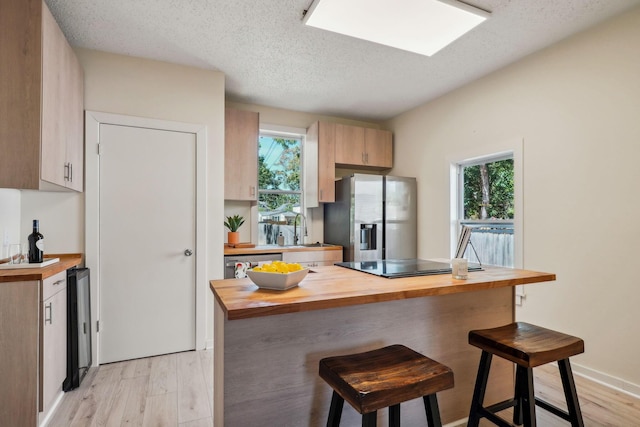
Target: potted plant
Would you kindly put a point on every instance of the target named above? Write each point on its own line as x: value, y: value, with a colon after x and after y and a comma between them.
x: 233, y: 223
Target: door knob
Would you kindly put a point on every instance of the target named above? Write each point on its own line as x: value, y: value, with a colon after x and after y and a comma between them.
x: 188, y: 252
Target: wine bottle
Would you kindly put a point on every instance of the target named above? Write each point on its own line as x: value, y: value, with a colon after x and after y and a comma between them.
x: 36, y: 244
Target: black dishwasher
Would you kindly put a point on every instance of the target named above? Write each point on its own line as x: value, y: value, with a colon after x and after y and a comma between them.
x: 78, y: 327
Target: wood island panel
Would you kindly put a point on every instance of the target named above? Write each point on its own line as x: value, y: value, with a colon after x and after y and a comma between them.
x: 267, y: 344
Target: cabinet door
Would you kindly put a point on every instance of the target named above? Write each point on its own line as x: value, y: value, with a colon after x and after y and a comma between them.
x: 241, y: 155
x: 20, y: 100
x: 19, y: 315
x: 378, y: 148
x: 350, y: 148
x: 74, y: 119
x: 326, y: 162
x: 54, y: 347
x: 54, y: 71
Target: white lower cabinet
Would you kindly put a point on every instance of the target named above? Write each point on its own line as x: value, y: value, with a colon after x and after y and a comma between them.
x: 313, y: 258
x: 53, y: 354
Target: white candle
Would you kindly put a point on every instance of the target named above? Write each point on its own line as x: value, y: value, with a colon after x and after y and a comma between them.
x: 459, y: 268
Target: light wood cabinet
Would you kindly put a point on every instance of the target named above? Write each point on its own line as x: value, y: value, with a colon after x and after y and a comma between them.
x: 363, y: 147
x: 53, y: 339
x: 313, y: 258
x: 322, y: 135
x: 41, y: 102
x: 19, y: 332
x: 350, y: 148
x: 33, y: 348
x: 378, y: 148
x: 241, y: 155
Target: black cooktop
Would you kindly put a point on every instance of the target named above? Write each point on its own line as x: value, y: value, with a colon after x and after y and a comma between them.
x: 395, y: 268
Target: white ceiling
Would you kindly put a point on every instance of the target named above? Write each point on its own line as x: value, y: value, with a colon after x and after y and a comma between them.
x: 270, y: 58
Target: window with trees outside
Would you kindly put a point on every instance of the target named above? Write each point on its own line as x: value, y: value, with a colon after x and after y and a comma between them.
x: 279, y: 187
x: 486, y: 203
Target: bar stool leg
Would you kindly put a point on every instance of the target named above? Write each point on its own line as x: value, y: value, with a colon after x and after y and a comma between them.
x: 335, y: 411
x: 517, y: 397
x: 570, y: 394
x: 433, y: 412
x: 370, y: 419
x: 394, y: 416
x: 527, y: 395
x: 479, y: 390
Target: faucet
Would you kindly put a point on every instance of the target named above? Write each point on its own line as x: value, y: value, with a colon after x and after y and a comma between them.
x: 295, y: 224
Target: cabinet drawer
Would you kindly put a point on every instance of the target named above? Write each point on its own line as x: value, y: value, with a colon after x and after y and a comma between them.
x: 54, y: 284
x: 311, y: 256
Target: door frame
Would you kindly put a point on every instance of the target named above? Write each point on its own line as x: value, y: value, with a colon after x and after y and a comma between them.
x: 93, y: 120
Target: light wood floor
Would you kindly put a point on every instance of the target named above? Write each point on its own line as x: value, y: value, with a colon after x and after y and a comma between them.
x: 601, y: 406
x: 177, y: 390
x: 169, y: 390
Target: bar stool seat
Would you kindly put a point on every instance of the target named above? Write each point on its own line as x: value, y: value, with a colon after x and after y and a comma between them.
x: 527, y: 346
x: 382, y: 378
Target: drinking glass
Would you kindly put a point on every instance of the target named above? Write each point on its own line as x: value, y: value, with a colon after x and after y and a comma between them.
x: 25, y: 253
x: 15, y: 253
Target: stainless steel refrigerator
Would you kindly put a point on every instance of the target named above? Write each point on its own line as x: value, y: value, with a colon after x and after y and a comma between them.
x: 373, y: 217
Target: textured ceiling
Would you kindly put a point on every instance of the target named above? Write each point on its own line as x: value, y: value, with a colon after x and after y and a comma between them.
x: 270, y: 58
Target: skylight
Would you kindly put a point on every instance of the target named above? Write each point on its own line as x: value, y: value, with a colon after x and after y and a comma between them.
x: 420, y: 26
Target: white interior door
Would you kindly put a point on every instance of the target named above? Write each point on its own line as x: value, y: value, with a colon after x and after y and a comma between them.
x: 147, y: 226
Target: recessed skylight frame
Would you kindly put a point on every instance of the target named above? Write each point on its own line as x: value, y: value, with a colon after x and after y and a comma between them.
x: 419, y: 26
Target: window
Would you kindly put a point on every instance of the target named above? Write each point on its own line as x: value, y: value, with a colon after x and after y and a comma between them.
x: 486, y: 203
x: 279, y: 186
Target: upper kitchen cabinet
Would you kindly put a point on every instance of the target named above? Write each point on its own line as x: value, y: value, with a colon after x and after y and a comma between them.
x: 319, y: 155
x: 350, y: 148
x: 241, y: 155
x: 363, y: 147
x: 41, y: 102
x: 378, y: 148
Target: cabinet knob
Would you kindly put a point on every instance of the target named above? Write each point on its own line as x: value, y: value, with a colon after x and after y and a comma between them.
x: 188, y: 252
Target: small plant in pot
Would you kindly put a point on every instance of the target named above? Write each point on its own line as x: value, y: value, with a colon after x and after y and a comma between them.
x: 233, y: 223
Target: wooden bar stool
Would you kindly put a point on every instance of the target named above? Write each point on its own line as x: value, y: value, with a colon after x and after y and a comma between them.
x: 527, y: 346
x: 384, y: 378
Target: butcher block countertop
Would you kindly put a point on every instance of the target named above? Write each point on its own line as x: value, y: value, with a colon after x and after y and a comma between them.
x: 333, y: 286
x: 275, y: 249
x: 25, y: 274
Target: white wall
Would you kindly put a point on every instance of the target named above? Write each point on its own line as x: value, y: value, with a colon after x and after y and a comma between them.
x: 576, y: 106
x: 10, y: 218
x: 61, y: 216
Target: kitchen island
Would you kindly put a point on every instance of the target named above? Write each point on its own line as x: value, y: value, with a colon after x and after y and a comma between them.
x: 267, y: 344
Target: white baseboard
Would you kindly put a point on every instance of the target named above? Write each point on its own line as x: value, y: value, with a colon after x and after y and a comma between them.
x: 43, y: 419
x: 607, y: 380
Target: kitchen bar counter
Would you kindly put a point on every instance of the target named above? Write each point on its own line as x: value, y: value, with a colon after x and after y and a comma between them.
x: 267, y: 344
x: 332, y: 286
x: 66, y: 262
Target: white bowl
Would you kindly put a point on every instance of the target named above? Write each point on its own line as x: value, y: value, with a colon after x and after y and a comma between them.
x: 277, y: 281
